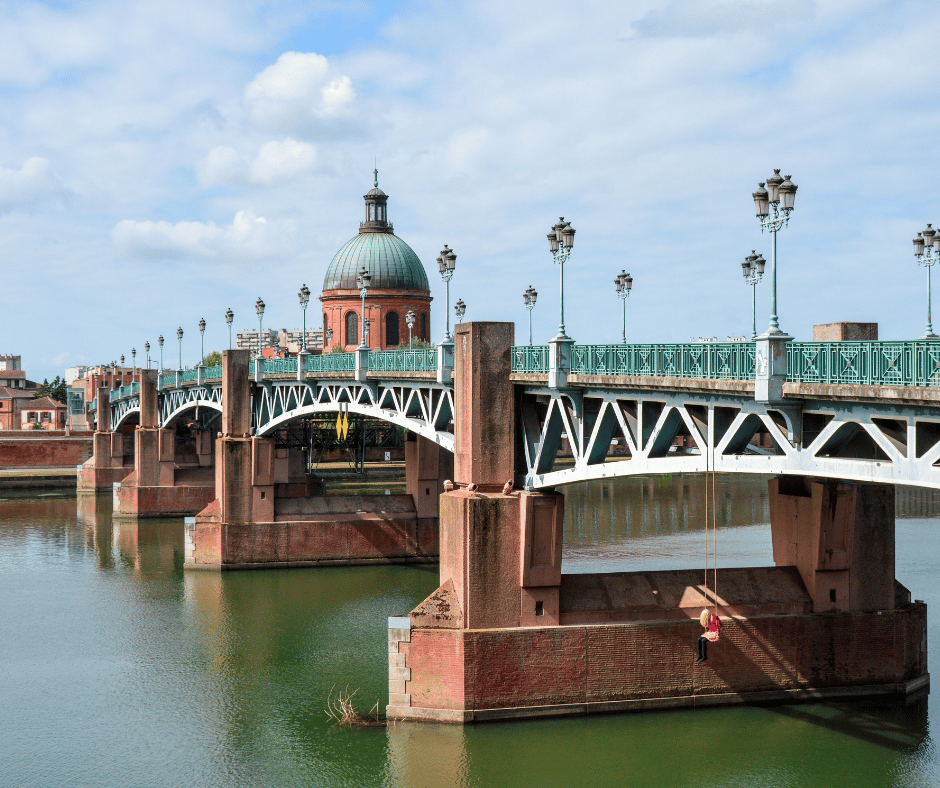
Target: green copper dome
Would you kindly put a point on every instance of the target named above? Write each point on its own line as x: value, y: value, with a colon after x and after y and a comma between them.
x: 392, y: 263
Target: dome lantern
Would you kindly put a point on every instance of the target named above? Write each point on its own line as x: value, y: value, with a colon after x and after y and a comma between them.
x: 376, y: 220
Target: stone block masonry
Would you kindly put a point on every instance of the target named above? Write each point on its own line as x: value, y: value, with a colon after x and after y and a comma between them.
x: 477, y: 675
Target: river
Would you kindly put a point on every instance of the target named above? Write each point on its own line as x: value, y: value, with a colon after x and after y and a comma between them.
x: 119, y: 669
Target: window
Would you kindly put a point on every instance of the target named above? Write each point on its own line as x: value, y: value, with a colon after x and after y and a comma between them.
x: 424, y: 327
x: 352, y: 328
x: 391, y: 329
x: 31, y: 415
x: 47, y: 417
x: 371, y: 212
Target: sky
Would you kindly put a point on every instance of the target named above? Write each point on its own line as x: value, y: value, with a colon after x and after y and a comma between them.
x: 162, y: 162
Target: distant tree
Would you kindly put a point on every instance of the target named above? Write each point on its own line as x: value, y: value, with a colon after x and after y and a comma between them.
x: 213, y: 359
x: 416, y: 344
x: 337, y: 349
x: 54, y: 390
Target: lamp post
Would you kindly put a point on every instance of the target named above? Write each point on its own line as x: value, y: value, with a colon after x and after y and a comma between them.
x: 329, y: 338
x: 753, y: 270
x: 259, y: 310
x: 202, y: 341
x: 779, y: 194
x: 147, y: 351
x: 133, y: 365
x: 304, y: 296
x: 560, y: 241
x: 927, y: 252
x: 460, y: 309
x: 229, y: 317
x: 179, y: 336
x: 363, y: 279
x: 409, y: 321
x: 528, y: 298
x: 122, y: 371
x: 623, y: 283
x: 446, y: 264
x: 160, y: 343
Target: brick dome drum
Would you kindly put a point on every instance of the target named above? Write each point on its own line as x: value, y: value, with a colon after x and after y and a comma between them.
x: 391, y: 262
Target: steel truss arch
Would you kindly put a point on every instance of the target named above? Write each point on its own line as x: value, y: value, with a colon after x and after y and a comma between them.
x: 900, y: 444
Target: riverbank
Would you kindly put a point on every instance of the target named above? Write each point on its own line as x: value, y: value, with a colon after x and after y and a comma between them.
x: 63, y: 478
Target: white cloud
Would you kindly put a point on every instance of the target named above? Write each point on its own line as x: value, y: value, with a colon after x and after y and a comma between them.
x: 248, y: 237
x: 300, y: 94
x: 277, y: 161
x: 34, y: 183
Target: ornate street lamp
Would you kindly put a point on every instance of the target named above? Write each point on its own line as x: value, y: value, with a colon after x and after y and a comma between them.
x: 528, y: 298
x: 560, y: 241
x: 753, y: 270
x: 460, y: 308
x: 122, y: 371
x: 446, y: 264
x: 229, y: 317
x: 147, y: 351
x: 179, y: 336
x: 779, y: 195
x: 927, y: 252
x: 410, y: 322
x: 623, y: 284
x: 304, y: 296
x: 133, y: 365
x: 363, y: 280
x: 259, y: 310
x: 202, y: 341
x: 329, y: 339
x: 160, y: 343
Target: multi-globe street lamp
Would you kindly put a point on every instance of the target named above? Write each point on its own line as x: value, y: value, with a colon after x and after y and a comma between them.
x: 259, y: 310
x: 779, y: 195
x: 410, y: 322
x: 460, y: 309
x: 304, y: 296
x: 753, y: 270
x: 363, y: 280
x: 446, y: 264
x: 927, y: 252
x: 160, y: 343
x: 229, y: 317
x: 133, y: 365
x: 528, y: 298
x: 202, y: 341
x: 147, y: 351
x: 179, y: 336
x: 560, y: 241
x: 623, y: 283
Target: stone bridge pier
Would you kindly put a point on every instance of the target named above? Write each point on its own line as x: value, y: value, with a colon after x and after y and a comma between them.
x: 111, y: 460
x: 165, y: 481
x: 507, y: 635
x: 268, y: 512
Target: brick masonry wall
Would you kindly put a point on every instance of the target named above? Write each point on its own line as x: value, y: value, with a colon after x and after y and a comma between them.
x: 46, y: 452
x: 557, y: 666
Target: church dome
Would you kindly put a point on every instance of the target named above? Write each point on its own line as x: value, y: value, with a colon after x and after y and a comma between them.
x: 391, y: 262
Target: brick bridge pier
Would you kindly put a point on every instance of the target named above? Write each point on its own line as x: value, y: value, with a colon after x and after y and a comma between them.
x: 507, y: 635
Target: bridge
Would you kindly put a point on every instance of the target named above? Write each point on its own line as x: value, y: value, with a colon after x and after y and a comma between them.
x: 863, y: 411
x: 501, y: 429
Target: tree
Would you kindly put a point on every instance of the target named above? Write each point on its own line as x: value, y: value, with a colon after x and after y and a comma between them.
x: 213, y: 359
x: 54, y: 390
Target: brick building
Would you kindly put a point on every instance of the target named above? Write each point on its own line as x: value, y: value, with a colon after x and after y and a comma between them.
x: 399, y: 283
x: 42, y: 413
x: 11, y: 405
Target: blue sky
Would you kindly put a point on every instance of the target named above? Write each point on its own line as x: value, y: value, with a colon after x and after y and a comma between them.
x: 163, y: 162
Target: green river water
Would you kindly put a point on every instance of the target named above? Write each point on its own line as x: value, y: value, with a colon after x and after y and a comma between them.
x: 117, y: 668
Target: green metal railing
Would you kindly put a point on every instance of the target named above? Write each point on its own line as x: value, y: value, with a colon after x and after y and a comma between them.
x: 422, y: 360
x: 189, y: 376
x: 911, y: 363
x: 213, y: 373
x: 332, y: 362
x: 167, y: 379
x: 280, y: 366
x: 530, y: 358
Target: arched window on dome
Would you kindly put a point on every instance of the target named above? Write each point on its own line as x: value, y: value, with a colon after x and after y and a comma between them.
x: 424, y: 327
x: 371, y: 212
x: 352, y: 328
x: 391, y: 329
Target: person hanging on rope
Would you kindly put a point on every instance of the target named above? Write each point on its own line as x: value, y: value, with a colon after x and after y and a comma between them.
x: 712, y: 625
